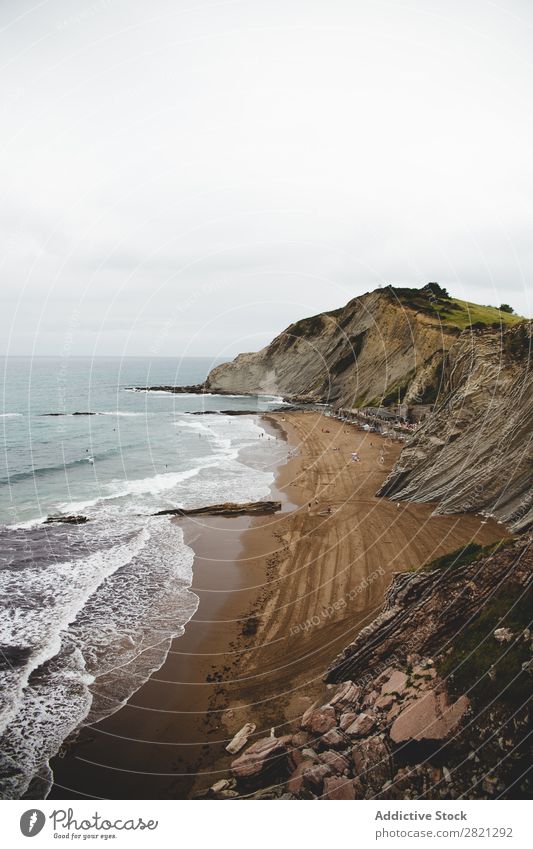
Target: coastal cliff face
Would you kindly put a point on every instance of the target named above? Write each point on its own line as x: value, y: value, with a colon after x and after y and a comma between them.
x: 475, y: 452
x: 431, y: 701
x: 360, y: 354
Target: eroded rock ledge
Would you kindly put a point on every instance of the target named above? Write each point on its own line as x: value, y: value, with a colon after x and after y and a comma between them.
x: 250, y: 508
x: 65, y: 520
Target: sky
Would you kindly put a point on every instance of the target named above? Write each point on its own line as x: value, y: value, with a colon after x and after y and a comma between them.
x: 181, y: 177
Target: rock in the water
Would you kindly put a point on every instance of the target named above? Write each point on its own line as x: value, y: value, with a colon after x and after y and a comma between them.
x: 67, y: 520
x: 428, y: 718
x: 249, y: 508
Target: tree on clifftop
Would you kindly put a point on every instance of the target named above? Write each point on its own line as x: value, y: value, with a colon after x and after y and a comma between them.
x: 506, y: 308
x: 437, y: 290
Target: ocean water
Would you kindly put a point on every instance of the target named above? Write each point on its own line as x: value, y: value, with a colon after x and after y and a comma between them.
x: 89, y: 611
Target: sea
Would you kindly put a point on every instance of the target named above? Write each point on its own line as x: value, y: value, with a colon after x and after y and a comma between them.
x: 89, y: 611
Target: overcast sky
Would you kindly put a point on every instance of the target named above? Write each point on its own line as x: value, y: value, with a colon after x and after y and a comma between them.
x: 188, y: 177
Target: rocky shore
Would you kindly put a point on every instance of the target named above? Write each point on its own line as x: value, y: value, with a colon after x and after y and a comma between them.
x: 431, y: 700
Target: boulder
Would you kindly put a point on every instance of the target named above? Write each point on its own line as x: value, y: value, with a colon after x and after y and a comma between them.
x: 221, y: 785
x: 346, y: 720
x: 319, y: 720
x: 428, y: 717
x: 300, y: 739
x: 370, y: 698
x: 334, y: 739
x: 307, y: 776
x: 339, y: 788
x: 337, y: 763
x: 396, y: 683
x: 372, y: 762
x: 241, y: 738
x: 385, y: 702
x: 347, y: 694
x: 266, y: 757
x: 362, y: 726
x: 250, y: 508
x: 65, y: 520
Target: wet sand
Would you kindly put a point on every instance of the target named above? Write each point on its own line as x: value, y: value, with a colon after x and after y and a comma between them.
x: 280, y: 596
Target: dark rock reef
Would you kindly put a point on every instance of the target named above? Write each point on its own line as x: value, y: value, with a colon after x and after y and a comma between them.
x: 249, y: 508
x: 65, y: 520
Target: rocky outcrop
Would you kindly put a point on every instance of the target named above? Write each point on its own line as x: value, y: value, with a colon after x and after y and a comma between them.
x: 65, y: 520
x: 371, y: 348
x: 474, y: 453
x: 428, y: 608
x: 432, y: 700
x: 263, y: 759
x: 194, y: 389
x: 248, y: 508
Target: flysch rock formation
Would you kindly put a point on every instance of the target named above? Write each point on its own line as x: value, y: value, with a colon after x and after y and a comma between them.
x: 475, y: 451
x: 431, y: 700
x: 356, y: 355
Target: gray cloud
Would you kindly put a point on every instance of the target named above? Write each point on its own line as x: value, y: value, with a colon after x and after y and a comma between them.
x: 237, y: 165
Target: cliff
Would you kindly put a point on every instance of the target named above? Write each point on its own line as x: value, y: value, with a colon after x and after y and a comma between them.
x: 356, y: 355
x: 474, y: 452
x: 387, y: 342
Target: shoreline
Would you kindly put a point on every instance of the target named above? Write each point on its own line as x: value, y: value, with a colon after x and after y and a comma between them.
x: 280, y: 596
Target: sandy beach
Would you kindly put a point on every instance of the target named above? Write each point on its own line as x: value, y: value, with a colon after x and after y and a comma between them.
x: 280, y: 596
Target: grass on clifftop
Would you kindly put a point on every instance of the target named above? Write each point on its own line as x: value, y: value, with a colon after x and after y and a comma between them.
x: 452, y: 312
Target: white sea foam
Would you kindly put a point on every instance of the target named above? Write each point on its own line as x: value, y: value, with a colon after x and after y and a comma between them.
x: 88, y: 652
x: 58, y: 593
x: 96, y: 625
x: 31, y: 523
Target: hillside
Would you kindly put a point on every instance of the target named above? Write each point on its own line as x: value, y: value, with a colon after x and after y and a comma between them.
x: 451, y: 312
x: 384, y: 343
x: 473, y: 453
